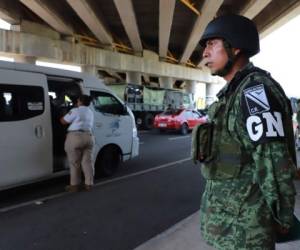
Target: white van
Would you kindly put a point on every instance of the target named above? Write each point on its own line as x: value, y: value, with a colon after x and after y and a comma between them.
x: 32, y: 99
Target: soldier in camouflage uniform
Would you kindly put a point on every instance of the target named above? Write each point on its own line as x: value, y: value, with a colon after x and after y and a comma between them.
x: 249, y: 167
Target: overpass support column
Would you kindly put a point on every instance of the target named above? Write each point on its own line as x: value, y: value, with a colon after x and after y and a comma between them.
x: 25, y: 59
x: 190, y: 88
x: 211, y: 91
x: 133, y: 77
x: 166, y: 82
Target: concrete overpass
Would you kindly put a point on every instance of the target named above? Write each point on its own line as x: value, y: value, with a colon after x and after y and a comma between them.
x: 138, y: 41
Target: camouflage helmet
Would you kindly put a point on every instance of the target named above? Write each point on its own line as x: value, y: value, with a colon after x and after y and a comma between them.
x: 239, y: 31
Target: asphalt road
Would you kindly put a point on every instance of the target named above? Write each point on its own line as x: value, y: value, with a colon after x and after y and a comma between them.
x: 148, y: 195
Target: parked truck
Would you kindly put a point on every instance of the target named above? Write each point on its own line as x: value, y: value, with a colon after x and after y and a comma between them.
x: 146, y: 102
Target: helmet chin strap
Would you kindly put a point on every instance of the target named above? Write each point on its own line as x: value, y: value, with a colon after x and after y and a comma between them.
x: 231, y: 59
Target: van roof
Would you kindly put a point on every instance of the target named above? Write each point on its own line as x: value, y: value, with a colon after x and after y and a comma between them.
x: 89, y: 80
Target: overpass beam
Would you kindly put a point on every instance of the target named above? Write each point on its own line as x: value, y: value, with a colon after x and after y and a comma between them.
x: 90, y: 69
x: 209, y: 9
x: 13, y: 42
x: 8, y: 13
x: 254, y: 7
x: 127, y: 15
x: 166, y: 12
x: 88, y: 16
x: 43, y: 11
x: 25, y: 59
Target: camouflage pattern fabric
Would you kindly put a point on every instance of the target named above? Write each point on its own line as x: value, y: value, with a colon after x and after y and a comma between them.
x: 240, y: 212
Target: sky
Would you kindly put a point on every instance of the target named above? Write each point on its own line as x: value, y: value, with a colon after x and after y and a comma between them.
x: 4, y: 25
x: 280, y: 55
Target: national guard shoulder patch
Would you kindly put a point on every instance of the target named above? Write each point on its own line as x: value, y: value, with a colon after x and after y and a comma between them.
x: 262, y: 113
x: 256, y: 99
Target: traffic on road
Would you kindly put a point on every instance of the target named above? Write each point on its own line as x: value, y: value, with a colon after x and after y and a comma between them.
x: 148, y: 194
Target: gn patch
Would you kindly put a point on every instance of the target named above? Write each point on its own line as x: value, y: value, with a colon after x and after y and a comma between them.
x: 256, y: 99
x: 262, y: 113
x: 265, y: 126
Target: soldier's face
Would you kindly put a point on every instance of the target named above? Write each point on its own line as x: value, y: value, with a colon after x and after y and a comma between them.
x: 214, y: 55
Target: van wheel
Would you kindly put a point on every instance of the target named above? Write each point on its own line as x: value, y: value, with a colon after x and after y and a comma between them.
x: 184, y: 129
x: 108, y: 161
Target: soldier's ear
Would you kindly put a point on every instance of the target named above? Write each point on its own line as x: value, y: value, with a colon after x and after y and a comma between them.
x: 236, y: 51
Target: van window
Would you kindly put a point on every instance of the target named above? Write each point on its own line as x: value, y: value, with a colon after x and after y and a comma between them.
x: 18, y: 102
x: 106, y: 103
x: 63, y: 95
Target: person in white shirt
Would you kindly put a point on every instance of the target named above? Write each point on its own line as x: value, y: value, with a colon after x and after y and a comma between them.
x: 79, y: 144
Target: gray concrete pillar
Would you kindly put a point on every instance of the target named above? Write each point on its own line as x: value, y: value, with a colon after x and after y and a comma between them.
x: 25, y: 59
x: 190, y: 87
x: 211, y: 90
x: 166, y: 82
x: 133, y: 77
x: 93, y: 70
x: 146, y: 78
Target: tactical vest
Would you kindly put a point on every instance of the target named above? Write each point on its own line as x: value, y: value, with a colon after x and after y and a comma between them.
x: 217, y: 149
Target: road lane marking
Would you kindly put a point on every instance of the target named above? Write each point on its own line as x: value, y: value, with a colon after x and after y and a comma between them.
x: 41, y: 201
x: 32, y: 202
x: 179, y: 137
x: 170, y: 164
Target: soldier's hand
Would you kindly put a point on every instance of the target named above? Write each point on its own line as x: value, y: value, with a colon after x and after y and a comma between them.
x: 201, y: 157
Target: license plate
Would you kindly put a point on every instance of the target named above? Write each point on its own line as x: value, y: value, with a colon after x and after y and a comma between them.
x: 162, y: 125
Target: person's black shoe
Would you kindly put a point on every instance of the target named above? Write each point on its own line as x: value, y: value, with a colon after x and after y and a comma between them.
x: 87, y: 187
x: 72, y: 188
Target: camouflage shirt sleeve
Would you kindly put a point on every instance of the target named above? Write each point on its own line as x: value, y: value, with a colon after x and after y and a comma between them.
x: 274, y: 174
x: 262, y: 130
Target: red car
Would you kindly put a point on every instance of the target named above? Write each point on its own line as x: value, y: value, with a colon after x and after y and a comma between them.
x: 181, y: 120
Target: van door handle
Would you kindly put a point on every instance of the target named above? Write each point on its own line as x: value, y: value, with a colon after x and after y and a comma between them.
x: 38, y: 130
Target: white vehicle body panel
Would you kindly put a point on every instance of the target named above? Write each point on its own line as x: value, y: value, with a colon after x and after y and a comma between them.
x: 26, y: 145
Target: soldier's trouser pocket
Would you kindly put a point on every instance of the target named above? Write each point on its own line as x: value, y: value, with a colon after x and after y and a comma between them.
x: 205, y: 137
